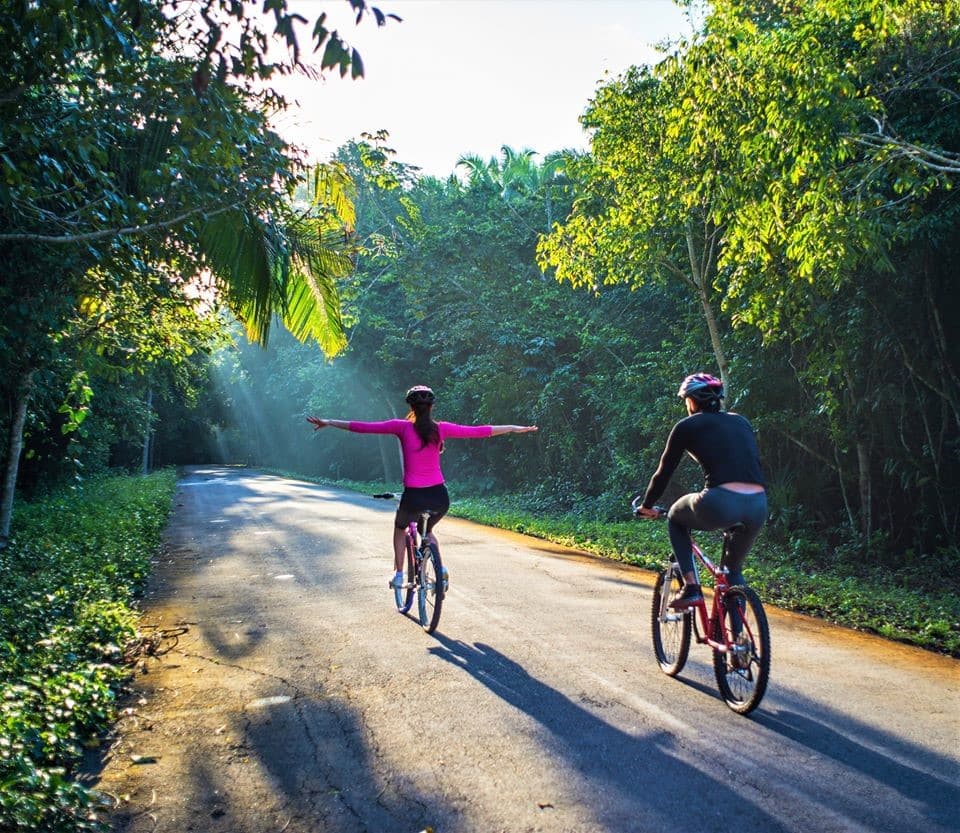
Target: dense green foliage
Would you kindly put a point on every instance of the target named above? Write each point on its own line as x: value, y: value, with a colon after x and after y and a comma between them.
x: 446, y: 293
x: 68, y: 580
x: 775, y: 201
x: 142, y: 188
x: 748, y: 166
x: 141, y: 183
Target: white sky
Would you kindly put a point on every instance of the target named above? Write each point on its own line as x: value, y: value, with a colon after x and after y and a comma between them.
x: 468, y: 76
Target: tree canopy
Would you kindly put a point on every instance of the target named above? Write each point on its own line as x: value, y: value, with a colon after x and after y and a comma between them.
x: 780, y: 161
x: 137, y: 158
x: 774, y: 200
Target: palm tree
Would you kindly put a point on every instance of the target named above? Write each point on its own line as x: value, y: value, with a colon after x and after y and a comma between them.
x: 479, y: 171
x: 265, y: 267
x: 288, y: 267
x: 517, y: 174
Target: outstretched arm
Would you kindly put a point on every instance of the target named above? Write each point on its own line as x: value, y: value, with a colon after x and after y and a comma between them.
x: 512, y: 429
x: 390, y: 426
x: 318, y: 423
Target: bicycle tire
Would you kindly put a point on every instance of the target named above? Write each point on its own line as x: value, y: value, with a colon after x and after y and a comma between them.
x: 742, y: 677
x: 403, y: 596
x: 430, y: 591
x: 670, y: 630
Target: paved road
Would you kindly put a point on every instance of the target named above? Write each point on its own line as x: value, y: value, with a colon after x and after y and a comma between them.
x: 299, y: 700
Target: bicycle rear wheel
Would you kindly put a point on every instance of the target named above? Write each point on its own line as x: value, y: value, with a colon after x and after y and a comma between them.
x: 670, y: 629
x: 403, y: 596
x: 430, y: 588
x: 742, y: 672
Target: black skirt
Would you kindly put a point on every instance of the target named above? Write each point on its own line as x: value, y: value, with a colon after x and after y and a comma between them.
x: 431, y: 497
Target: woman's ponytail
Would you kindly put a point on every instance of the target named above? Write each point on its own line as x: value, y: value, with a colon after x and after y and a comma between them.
x: 427, y: 430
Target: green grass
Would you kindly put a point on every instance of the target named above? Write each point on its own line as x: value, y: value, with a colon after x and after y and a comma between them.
x: 907, y: 604
x: 74, y: 565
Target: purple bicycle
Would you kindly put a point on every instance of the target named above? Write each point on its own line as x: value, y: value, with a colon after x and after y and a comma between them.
x: 425, y: 579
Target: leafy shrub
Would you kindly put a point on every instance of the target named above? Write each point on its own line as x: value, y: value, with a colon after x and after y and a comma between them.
x: 68, y: 578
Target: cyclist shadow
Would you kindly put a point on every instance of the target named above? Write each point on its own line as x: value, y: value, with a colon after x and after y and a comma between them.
x: 693, y: 675
x: 638, y: 767
x: 940, y: 796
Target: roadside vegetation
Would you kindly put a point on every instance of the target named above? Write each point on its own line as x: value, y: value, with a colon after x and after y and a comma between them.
x: 917, y: 602
x: 69, y: 579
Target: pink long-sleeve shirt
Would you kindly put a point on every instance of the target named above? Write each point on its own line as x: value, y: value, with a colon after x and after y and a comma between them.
x: 421, y: 463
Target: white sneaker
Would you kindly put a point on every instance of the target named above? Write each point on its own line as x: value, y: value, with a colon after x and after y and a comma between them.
x: 396, y: 583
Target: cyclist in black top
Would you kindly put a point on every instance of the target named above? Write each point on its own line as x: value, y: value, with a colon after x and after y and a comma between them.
x: 725, y: 447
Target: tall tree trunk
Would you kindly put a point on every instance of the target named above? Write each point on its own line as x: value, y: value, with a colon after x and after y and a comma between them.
x: 700, y: 268
x: 14, y: 448
x: 952, y: 383
x: 147, y: 433
x: 851, y: 517
x: 860, y: 431
x: 865, y: 489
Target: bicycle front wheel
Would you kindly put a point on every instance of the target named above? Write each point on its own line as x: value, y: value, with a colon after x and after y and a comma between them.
x: 403, y: 596
x: 744, y: 669
x: 430, y: 588
x: 670, y: 629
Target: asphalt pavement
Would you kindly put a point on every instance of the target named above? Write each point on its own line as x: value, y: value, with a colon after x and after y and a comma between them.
x: 295, y: 697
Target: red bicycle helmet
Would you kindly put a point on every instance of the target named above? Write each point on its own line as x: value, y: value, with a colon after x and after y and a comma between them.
x: 702, y: 387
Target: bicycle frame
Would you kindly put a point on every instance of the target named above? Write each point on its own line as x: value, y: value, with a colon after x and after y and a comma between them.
x: 416, y: 530
x: 422, y: 557
x: 705, y: 624
x: 426, y: 575
x: 735, y: 628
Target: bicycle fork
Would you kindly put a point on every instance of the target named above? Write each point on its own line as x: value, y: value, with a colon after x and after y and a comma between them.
x: 666, y: 614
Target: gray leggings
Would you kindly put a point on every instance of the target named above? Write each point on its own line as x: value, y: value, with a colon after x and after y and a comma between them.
x: 717, y: 508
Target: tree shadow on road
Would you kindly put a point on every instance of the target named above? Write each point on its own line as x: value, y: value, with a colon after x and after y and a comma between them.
x: 299, y: 762
x: 631, y: 782
x: 317, y: 753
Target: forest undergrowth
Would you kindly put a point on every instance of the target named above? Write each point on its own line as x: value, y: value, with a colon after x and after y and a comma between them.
x: 70, y: 576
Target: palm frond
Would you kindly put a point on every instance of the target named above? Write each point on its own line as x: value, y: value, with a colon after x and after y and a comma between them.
x: 334, y: 190
x: 312, y: 300
x: 242, y: 252
x: 287, y: 267
x: 313, y: 311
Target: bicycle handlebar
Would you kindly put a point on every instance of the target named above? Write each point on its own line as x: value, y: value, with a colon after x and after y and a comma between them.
x: 635, y: 508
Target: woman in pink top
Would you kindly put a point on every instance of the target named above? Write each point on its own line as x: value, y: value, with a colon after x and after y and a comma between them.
x: 421, y: 440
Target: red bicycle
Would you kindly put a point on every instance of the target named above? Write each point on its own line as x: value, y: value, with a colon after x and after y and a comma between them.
x: 735, y: 628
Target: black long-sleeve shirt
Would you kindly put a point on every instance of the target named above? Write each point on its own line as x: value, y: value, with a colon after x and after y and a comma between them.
x: 722, y: 443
